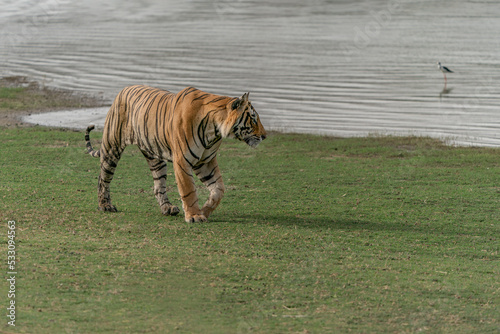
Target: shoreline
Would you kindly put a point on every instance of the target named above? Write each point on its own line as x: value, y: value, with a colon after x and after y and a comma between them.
x: 59, y: 108
x: 80, y: 119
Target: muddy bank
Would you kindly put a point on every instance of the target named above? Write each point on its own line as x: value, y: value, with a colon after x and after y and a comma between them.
x: 33, y: 99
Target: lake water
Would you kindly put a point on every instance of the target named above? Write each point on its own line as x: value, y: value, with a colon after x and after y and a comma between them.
x: 344, y: 68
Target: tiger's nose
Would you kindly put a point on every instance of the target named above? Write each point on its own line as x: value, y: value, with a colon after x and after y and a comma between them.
x: 263, y: 137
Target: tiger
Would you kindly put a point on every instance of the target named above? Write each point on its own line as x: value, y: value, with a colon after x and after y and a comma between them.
x: 185, y: 129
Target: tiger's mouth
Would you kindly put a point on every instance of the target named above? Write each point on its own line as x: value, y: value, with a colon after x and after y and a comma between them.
x: 254, y: 141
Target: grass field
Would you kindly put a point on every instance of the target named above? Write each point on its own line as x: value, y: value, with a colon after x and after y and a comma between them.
x: 314, y: 235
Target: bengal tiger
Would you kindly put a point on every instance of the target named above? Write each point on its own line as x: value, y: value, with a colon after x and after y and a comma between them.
x: 184, y: 128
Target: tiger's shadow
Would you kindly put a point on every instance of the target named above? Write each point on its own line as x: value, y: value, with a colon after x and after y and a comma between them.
x: 305, y: 222
x: 333, y: 224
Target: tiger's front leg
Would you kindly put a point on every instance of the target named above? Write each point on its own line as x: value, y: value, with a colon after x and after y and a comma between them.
x: 211, y: 177
x: 187, y: 190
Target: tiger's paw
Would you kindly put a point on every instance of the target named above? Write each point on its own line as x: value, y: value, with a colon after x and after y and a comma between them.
x: 108, y: 208
x: 195, y: 219
x: 169, y: 210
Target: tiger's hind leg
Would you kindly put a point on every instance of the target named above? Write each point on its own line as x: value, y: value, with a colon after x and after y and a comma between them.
x: 159, y: 169
x: 109, y: 161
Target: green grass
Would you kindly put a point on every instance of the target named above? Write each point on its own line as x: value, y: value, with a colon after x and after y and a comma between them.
x: 314, y: 235
x: 9, y: 98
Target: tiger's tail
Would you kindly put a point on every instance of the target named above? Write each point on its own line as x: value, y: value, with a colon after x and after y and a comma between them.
x: 90, y: 149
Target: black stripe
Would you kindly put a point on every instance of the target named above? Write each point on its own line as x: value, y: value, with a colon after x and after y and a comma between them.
x: 164, y: 176
x: 198, y: 166
x: 199, y: 97
x: 161, y: 164
x: 190, y: 175
x: 209, y: 176
x: 189, y: 162
x: 108, y: 172
x: 189, y: 148
x: 208, y: 185
x: 217, y: 99
x: 185, y: 93
x: 208, y: 158
x: 196, y: 201
x: 110, y: 163
x: 187, y: 195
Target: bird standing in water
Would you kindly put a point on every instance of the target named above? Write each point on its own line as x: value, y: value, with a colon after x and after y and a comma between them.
x: 445, y: 70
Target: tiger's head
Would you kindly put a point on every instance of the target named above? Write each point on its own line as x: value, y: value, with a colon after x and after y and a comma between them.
x: 244, y: 123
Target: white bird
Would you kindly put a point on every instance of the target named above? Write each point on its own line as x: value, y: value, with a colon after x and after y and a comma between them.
x: 444, y: 69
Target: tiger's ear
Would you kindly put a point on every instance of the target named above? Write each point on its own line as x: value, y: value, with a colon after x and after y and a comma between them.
x: 238, y: 103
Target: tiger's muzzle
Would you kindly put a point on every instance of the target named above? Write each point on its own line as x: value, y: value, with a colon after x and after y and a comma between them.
x: 254, y: 141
